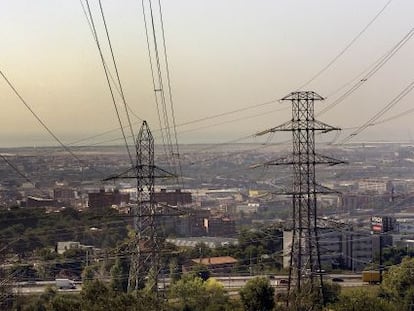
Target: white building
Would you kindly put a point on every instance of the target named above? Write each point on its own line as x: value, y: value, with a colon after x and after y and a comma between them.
x: 338, y: 247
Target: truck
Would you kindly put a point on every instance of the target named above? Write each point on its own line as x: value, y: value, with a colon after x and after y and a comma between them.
x: 371, y: 276
x: 65, y: 284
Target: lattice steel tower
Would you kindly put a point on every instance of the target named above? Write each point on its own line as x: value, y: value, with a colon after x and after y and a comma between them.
x: 305, y: 260
x: 146, y: 246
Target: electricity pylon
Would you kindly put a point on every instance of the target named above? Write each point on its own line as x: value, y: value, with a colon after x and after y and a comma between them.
x: 146, y: 245
x: 305, y: 259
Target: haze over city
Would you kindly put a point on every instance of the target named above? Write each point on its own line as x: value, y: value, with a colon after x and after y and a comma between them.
x: 223, y: 56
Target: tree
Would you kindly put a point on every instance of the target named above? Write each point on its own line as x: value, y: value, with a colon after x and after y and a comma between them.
x: 188, y: 293
x: 65, y: 303
x: 119, y: 275
x: 362, y: 300
x: 50, y: 300
x: 175, y: 273
x: 398, y: 284
x: 257, y: 295
x: 331, y: 292
x: 192, y: 293
x: 95, y: 296
x: 88, y: 274
x: 309, y: 297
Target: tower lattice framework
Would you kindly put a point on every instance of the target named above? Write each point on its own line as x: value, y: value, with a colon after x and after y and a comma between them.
x: 146, y: 244
x: 145, y: 247
x: 305, y: 258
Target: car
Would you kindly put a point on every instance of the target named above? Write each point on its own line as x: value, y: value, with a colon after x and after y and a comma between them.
x: 337, y: 280
x: 283, y: 281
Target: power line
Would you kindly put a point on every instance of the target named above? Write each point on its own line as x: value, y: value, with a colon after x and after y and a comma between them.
x: 116, y: 70
x: 377, y: 66
x: 180, y: 132
x: 397, y: 116
x: 16, y: 169
x: 185, y: 123
x: 153, y: 76
x: 394, y: 117
x: 230, y: 112
x: 160, y: 71
x: 233, y: 120
x: 167, y: 68
x: 346, y: 48
x: 160, y: 89
x: 380, y: 113
x: 108, y: 81
x: 85, y: 13
x: 67, y: 149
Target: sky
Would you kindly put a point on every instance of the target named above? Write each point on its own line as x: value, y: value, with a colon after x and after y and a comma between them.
x: 223, y: 56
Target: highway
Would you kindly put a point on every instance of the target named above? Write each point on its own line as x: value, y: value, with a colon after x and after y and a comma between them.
x: 280, y: 281
x: 230, y: 283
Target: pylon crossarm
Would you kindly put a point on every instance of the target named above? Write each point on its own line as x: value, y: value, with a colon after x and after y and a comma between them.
x: 303, y: 95
x: 323, y: 159
x: 124, y: 174
x: 325, y: 128
x: 287, y: 126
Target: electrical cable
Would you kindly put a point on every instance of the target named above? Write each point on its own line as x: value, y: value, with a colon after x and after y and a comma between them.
x: 108, y: 80
x: 23, y: 101
x: 109, y: 71
x: 167, y: 67
x: 157, y: 104
x: 116, y: 70
x: 230, y: 112
x: 378, y: 65
x: 160, y: 91
x: 74, y: 143
x: 380, y: 113
x: 346, y: 48
x: 17, y: 170
x: 160, y: 79
x: 397, y: 116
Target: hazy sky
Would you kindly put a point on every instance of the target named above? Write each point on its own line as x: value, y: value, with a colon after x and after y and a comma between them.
x: 224, y: 55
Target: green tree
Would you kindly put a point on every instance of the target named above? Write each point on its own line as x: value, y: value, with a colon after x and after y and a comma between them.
x: 257, y: 295
x: 187, y: 293
x: 309, y: 297
x: 362, y: 300
x: 95, y: 296
x: 175, y: 273
x: 119, y: 275
x: 398, y: 284
x: 88, y: 274
x: 192, y: 293
x: 331, y: 292
x: 65, y: 303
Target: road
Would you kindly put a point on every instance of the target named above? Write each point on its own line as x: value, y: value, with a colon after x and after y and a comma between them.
x: 233, y: 282
x: 230, y: 283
